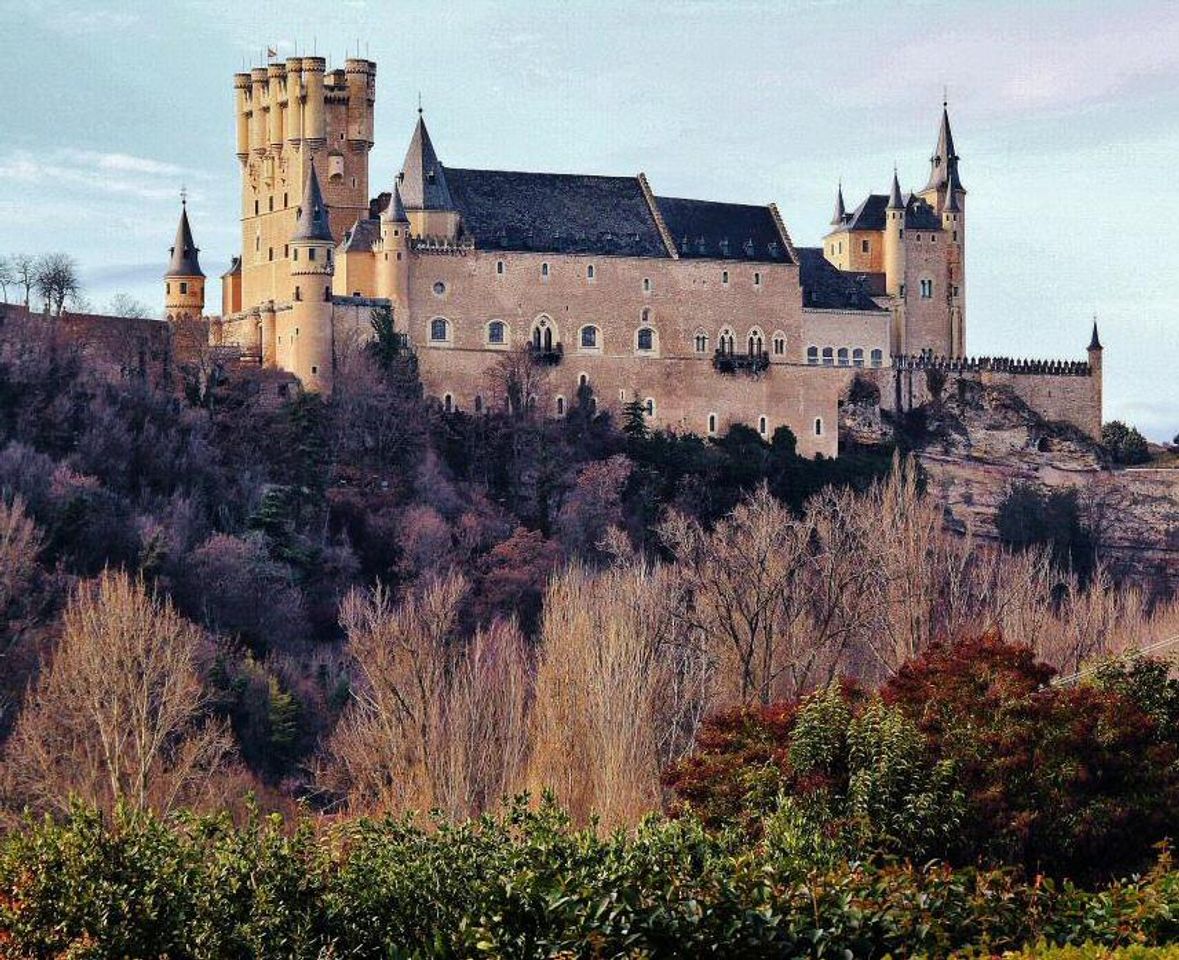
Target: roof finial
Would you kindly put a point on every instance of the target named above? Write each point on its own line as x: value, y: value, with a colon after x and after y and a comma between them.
x: 183, y: 195
x: 419, y: 103
x: 945, y: 96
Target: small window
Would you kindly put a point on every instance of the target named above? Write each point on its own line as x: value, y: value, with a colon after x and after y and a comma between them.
x: 286, y: 250
x: 295, y: 254
x: 858, y: 357
x: 285, y: 201
x: 439, y: 288
x: 560, y: 406
x: 955, y: 236
x: 327, y: 294
x: 589, y: 337
x: 842, y: 356
x: 448, y: 403
x: 270, y: 254
x: 589, y: 272
x: 478, y: 403
x: 865, y: 246
x: 314, y: 368
x: 761, y: 425
x: 877, y: 358
x: 646, y: 285
x: 438, y: 328
x: 544, y: 269
x: 779, y: 346
x: 725, y: 277
x: 926, y: 289
x: 495, y: 331
x: 933, y: 238
x: 818, y: 426
x: 812, y: 356
x: 902, y: 289
x: 593, y: 404
x: 271, y: 203
x: 828, y: 357
x: 701, y: 342
x: 582, y: 380
x: 646, y: 338
x: 499, y: 267
x: 649, y: 406
x: 712, y: 424
x: 167, y: 288
x: 256, y: 208
x: 757, y: 279
x: 298, y: 295
x: 311, y: 253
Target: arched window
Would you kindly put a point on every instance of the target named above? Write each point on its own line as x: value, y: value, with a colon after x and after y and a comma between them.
x: 439, y: 329
x: 478, y: 403
x: 726, y: 342
x: 589, y: 272
x: 646, y: 338
x: 496, y: 332
x: 779, y: 344
x: 701, y: 340
x: 756, y: 343
x: 589, y: 337
x: 582, y: 380
x: 762, y: 425
x: 858, y: 357
x: 649, y: 406
x: 593, y: 405
x: 448, y: 403
x: 712, y: 424
x: 542, y: 334
x: 544, y: 269
x: 842, y: 354
x: 926, y: 289
x: 812, y: 356
x: 818, y: 426
x: 877, y: 358
x: 646, y: 284
x: 560, y: 406
x: 828, y: 357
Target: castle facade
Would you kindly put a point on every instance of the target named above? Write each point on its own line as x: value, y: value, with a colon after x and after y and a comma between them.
x: 705, y: 311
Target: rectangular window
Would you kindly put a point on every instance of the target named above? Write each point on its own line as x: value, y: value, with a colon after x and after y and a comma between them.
x: 499, y: 267
x: 311, y: 253
x: 725, y: 277
x: 865, y: 246
x: 757, y: 279
x: 183, y: 286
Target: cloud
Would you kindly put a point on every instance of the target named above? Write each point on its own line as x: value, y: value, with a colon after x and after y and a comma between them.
x: 73, y: 19
x: 106, y: 173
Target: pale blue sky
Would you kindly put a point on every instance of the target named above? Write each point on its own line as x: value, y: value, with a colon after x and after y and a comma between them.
x: 1066, y: 116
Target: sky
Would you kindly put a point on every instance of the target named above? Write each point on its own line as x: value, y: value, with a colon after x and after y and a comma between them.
x: 1066, y: 116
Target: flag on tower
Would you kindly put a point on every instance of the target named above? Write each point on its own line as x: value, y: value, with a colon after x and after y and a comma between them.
x: 271, y: 53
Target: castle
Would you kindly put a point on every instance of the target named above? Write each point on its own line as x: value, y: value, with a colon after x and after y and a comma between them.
x: 705, y: 312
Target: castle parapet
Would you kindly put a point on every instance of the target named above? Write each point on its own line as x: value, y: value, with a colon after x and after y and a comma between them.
x: 430, y: 244
x: 1009, y: 365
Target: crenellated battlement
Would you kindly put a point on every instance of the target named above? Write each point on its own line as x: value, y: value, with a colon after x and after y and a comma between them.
x: 1054, y: 368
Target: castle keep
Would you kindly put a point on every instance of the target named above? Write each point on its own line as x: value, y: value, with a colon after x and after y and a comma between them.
x: 706, y: 312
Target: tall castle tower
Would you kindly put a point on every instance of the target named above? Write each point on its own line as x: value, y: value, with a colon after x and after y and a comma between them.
x: 304, y: 333
x: 184, y: 283
x: 290, y: 117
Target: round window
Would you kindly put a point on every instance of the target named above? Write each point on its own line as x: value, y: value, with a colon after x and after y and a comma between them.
x: 439, y: 288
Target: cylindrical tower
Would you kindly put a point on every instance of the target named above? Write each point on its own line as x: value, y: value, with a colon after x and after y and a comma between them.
x: 894, y: 248
x: 294, y: 118
x: 184, y: 282
x: 241, y: 99
x: 361, y: 82
x: 314, y: 122
x: 276, y: 75
x: 312, y: 267
x: 258, y: 133
x: 393, y: 260
x: 267, y: 331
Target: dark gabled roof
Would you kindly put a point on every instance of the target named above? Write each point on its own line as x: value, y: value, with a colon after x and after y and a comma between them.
x: 184, y: 261
x: 555, y: 213
x: 869, y: 215
x: 826, y: 287
x: 313, y: 221
x: 723, y: 231
x: 919, y: 215
x: 361, y: 236
x: 423, y: 180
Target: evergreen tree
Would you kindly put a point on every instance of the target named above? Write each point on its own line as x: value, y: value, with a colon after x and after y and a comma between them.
x: 634, y: 420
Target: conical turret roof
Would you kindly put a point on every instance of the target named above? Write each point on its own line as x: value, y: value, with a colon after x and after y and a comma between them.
x: 395, y: 211
x: 423, y: 180
x: 1095, y: 341
x: 840, y: 210
x: 944, y: 162
x: 895, y: 200
x: 952, y: 191
x: 184, y: 262
x: 313, y: 223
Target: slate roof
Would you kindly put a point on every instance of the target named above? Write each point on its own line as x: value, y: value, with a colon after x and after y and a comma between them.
x: 184, y: 261
x: 869, y: 215
x: 423, y: 182
x: 361, y: 236
x: 723, y: 231
x: 826, y: 287
x: 555, y: 212
x: 919, y: 215
x: 313, y: 214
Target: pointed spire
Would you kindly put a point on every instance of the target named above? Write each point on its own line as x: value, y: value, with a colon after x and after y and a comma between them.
x: 944, y: 161
x: 952, y: 191
x: 184, y: 262
x: 840, y: 209
x: 1095, y: 341
x: 423, y: 179
x: 313, y: 221
x: 895, y: 201
x: 395, y: 211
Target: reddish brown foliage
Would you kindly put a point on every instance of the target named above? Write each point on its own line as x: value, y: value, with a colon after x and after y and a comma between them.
x: 512, y: 577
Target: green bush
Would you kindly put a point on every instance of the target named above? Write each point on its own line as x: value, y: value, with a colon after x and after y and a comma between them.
x: 1124, y: 444
x: 525, y: 883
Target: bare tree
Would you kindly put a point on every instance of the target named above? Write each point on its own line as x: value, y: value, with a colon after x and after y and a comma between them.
x: 120, y: 713
x: 125, y: 305
x: 25, y: 267
x: 518, y: 381
x: 7, y: 277
x: 57, y: 281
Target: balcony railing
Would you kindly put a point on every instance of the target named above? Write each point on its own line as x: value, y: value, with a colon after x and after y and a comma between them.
x: 725, y: 362
x: 548, y: 355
